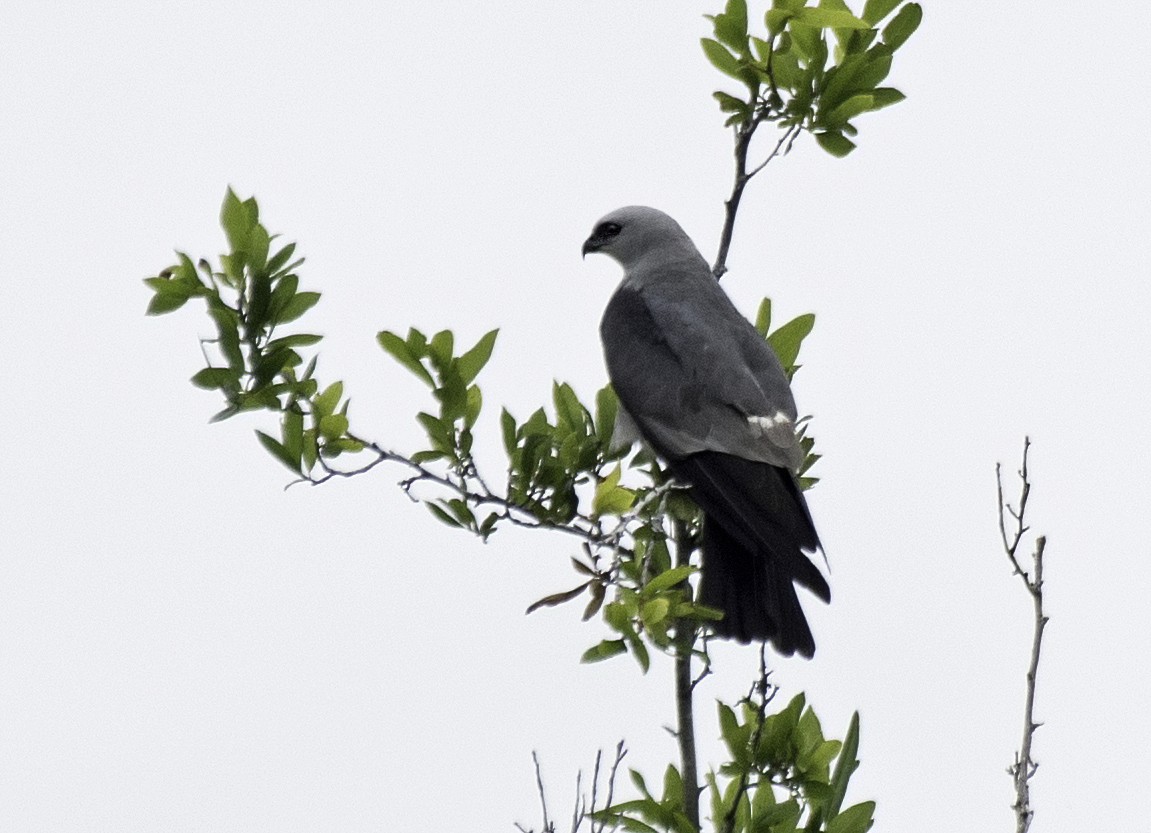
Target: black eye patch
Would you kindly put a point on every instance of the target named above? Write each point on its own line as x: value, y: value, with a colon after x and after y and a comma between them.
x: 607, y: 230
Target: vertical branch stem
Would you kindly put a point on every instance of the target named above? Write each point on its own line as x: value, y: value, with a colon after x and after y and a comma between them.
x: 684, y: 689
x: 743, y: 135
x: 1025, y: 765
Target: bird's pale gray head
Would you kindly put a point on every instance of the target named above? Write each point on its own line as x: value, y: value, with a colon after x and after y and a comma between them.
x: 628, y: 234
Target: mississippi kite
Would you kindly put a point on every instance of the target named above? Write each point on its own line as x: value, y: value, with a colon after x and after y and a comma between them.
x: 709, y: 396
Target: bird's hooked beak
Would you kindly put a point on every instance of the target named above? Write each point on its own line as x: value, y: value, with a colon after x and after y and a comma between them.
x: 591, y: 245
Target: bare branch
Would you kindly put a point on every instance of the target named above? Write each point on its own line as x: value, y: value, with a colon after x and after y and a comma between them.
x: 1024, y: 766
x: 620, y: 752
x: 543, y: 798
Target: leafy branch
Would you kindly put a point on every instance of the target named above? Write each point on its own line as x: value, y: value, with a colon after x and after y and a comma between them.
x: 793, y: 79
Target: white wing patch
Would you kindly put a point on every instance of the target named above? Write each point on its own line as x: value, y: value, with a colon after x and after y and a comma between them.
x: 777, y: 428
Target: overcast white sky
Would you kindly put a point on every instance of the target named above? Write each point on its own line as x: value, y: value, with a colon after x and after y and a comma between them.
x: 186, y: 646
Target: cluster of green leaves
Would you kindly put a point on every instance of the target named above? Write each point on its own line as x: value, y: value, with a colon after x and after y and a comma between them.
x: 795, y: 79
x: 451, y: 379
x: 548, y: 459
x: 779, y: 779
x: 786, y: 752
x: 251, y: 295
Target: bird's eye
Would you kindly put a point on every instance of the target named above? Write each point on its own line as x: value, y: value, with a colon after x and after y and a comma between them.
x: 607, y: 230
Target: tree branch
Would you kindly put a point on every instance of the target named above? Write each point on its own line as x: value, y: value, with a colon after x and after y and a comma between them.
x: 685, y: 689
x: 743, y: 134
x: 1024, y: 766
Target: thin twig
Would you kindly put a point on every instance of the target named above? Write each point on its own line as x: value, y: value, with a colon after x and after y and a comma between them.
x: 620, y: 752
x: 760, y: 687
x: 543, y: 798
x: 1024, y: 766
x: 787, y: 138
x: 581, y: 526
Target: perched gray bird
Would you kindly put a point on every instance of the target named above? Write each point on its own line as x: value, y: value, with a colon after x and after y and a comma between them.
x: 709, y: 396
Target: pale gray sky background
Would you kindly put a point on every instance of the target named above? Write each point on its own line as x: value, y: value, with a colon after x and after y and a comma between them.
x: 185, y: 646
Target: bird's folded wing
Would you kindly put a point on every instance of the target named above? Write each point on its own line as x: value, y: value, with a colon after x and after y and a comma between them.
x: 696, y: 376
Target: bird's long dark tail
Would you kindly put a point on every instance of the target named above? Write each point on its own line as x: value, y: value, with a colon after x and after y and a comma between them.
x: 755, y: 532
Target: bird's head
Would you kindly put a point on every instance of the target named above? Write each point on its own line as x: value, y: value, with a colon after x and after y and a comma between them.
x: 629, y: 233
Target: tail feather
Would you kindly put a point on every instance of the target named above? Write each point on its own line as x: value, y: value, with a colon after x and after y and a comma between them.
x: 759, y: 604
x: 755, y: 532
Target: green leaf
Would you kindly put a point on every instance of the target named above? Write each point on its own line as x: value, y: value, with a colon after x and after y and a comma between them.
x: 163, y: 302
x: 453, y: 396
x: 228, y: 329
x: 731, y: 26
x: 848, y: 110
x: 655, y: 611
x: 730, y: 104
x: 442, y: 345
x: 400, y: 351
x: 257, y: 248
x: 886, y: 96
x: 297, y: 340
x: 835, y: 143
x: 604, y: 650
x: 787, y: 340
x: 875, y: 10
x: 333, y: 426
x: 327, y: 401
x: 237, y: 219
x: 611, y: 498
x: 279, y: 451
x: 280, y: 258
x: 508, y: 427
x: 845, y: 766
x: 763, y: 317
x: 606, y: 410
x: 808, y: 42
x: 734, y: 735
x: 876, y: 66
x: 855, y: 819
x: 780, y: 818
x: 438, y: 433
x: 569, y: 411
x: 292, y: 431
x: 474, y: 403
x: 639, y: 650
x: 669, y: 578
x: 825, y: 18
x: 720, y: 58
x: 213, y: 378
x: 776, y: 20
x: 903, y: 25
x: 284, y: 292
x: 441, y: 515
x: 473, y: 361
x: 299, y: 303
x: 618, y: 616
